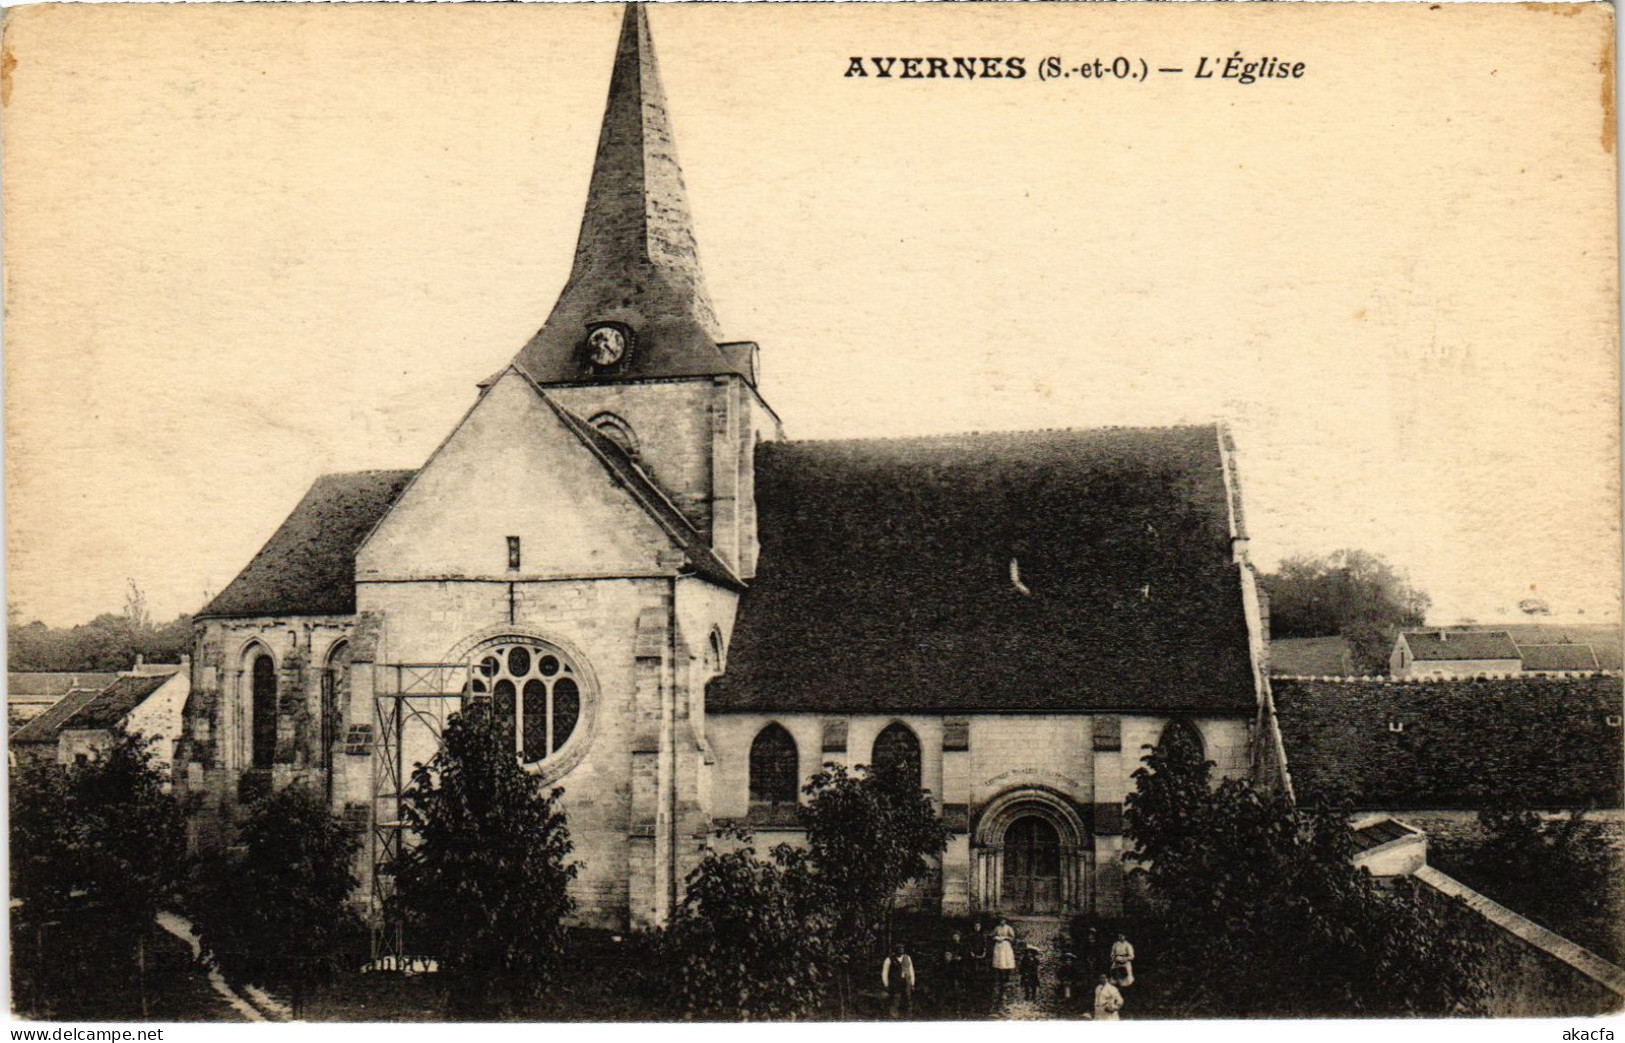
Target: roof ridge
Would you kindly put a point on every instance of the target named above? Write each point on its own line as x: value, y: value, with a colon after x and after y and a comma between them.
x: 946, y: 435
x: 366, y: 470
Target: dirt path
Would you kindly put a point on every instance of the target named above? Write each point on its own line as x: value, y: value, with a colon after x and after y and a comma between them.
x: 181, y: 928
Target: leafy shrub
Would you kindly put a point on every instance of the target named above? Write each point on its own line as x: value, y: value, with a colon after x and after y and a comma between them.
x: 275, y: 911
x: 1267, y: 914
x: 751, y: 939
x: 484, y: 889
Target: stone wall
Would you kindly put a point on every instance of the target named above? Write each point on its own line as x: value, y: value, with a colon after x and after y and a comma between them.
x: 213, y: 757
x: 1074, y: 769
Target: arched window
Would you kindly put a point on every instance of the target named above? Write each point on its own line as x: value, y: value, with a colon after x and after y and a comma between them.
x: 897, y: 751
x: 617, y: 431
x: 535, y: 694
x: 775, y: 769
x: 714, y: 653
x: 1181, y: 732
x: 263, y: 710
x: 333, y: 692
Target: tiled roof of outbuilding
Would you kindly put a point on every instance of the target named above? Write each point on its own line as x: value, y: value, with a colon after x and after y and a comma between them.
x: 1461, y: 644
x: 885, y: 583
x: 1311, y: 656
x: 47, y: 725
x: 1558, y: 657
x: 115, y: 702
x: 307, y: 568
x: 53, y: 685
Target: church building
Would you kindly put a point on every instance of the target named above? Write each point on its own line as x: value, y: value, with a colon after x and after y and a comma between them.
x: 679, y: 613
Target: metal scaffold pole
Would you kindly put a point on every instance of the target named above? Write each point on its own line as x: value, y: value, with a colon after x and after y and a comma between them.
x: 411, y: 702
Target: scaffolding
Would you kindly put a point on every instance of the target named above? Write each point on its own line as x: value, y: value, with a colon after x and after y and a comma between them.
x: 411, y: 704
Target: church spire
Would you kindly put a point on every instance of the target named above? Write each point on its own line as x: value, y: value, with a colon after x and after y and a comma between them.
x: 637, y: 270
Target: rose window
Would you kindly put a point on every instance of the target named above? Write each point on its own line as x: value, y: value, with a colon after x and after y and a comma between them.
x: 535, y: 695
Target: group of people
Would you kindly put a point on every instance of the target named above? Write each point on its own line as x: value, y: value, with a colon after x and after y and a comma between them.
x: 1113, y: 970
x: 979, y: 969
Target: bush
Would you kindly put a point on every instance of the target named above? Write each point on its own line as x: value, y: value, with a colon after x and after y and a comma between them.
x: 276, y: 911
x: 1554, y: 870
x: 96, y: 851
x: 1266, y: 913
x: 484, y: 889
x: 869, y: 833
x: 751, y: 939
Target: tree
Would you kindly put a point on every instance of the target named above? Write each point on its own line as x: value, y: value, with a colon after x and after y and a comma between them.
x: 97, y: 850
x: 1269, y: 914
x: 1555, y: 870
x: 276, y: 911
x: 1351, y: 593
x: 752, y: 939
x: 108, y: 642
x: 135, y: 607
x: 484, y: 888
x: 869, y: 833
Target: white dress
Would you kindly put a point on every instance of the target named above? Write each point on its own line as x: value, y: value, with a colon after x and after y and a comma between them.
x: 1108, y: 1001
x: 1004, y: 954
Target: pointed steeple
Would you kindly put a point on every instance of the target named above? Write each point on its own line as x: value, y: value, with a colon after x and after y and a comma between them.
x: 636, y: 265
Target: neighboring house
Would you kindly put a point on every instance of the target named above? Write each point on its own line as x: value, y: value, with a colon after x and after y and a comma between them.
x: 678, y: 615
x: 1311, y: 657
x: 148, y: 700
x: 31, y: 693
x: 1515, y: 648
x: 1460, y: 653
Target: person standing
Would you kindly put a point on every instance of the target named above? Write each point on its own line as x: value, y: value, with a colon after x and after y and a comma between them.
x: 897, y: 975
x: 1066, y: 975
x: 979, y: 974
x: 1108, y: 1001
x: 953, y: 972
x: 1029, y: 973
x: 1123, y: 961
x: 1094, y: 958
x: 1004, y: 955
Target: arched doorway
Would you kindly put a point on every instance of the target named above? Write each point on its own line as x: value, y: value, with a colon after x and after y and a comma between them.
x: 1031, y: 855
x: 1032, y: 867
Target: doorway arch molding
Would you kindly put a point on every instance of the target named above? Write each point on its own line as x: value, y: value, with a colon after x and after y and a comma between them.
x: 987, y: 845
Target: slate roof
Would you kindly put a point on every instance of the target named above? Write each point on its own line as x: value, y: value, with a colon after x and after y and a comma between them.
x: 636, y: 261
x: 1433, y: 645
x: 1461, y: 743
x: 47, y: 725
x: 1558, y: 657
x: 884, y: 579
x: 1384, y: 831
x: 307, y: 568
x: 115, y: 702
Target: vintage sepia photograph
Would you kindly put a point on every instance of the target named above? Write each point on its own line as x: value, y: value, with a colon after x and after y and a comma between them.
x: 599, y: 512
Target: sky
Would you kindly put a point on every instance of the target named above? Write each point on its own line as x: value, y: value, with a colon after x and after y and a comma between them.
x: 249, y: 245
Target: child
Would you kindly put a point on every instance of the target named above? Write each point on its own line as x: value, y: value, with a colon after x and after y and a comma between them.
x: 1068, y: 972
x: 1029, y: 973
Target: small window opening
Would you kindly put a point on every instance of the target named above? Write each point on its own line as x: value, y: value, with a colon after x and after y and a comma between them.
x: 513, y: 552
x: 1613, y: 720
